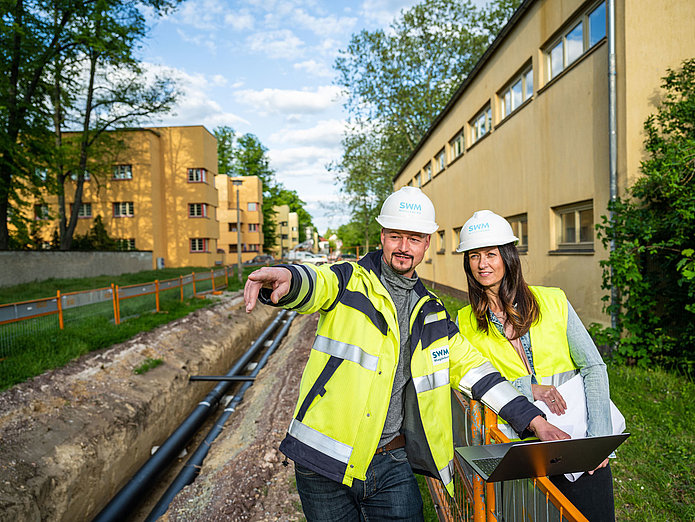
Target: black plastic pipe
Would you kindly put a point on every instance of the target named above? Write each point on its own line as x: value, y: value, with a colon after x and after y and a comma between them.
x: 225, y: 378
x: 130, y: 495
x: 192, y: 468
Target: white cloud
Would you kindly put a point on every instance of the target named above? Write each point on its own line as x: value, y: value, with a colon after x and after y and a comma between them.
x: 315, y: 68
x: 195, y: 105
x: 283, y: 44
x: 290, y: 102
x: 326, y: 133
x: 383, y: 12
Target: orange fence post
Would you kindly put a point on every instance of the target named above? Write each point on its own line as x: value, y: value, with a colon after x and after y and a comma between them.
x: 118, y: 305
x: 113, y: 298
x: 226, y: 277
x: 156, y: 293
x: 193, y: 278
x: 212, y: 275
x: 476, y: 409
x: 490, y: 500
x: 60, y: 310
x: 181, y: 286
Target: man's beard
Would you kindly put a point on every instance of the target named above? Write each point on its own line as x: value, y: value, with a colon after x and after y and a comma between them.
x: 401, y: 271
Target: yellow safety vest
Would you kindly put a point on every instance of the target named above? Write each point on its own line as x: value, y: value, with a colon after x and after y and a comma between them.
x: 552, y: 361
x: 346, y: 385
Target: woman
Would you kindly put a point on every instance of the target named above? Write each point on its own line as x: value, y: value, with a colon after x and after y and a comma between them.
x: 536, y: 340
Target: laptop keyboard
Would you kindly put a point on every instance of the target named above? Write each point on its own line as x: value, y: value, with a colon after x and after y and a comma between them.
x: 488, y: 465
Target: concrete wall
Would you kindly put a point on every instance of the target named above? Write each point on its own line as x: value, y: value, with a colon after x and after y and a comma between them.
x: 25, y: 267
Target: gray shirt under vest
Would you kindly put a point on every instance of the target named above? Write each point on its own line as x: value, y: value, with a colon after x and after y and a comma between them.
x: 400, y: 288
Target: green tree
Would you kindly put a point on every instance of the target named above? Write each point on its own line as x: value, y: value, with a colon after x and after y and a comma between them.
x: 109, y: 95
x: 396, y: 82
x: 653, y: 230
x: 247, y: 156
x: 96, y: 239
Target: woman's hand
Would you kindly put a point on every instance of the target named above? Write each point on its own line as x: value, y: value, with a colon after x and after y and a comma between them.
x: 550, y: 396
x: 602, y: 465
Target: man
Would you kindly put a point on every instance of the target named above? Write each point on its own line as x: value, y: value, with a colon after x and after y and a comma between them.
x: 374, y: 398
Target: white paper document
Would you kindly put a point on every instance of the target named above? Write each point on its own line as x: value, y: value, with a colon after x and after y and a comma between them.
x: 574, y: 420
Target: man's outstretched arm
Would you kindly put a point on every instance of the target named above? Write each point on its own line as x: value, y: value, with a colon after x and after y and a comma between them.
x: 276, y: 279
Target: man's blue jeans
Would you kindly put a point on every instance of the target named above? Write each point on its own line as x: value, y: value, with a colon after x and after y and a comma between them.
x: 390, y: 492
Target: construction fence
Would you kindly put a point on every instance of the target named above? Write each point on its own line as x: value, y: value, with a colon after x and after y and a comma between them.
x: 527, y: 500
x: 117, y: 303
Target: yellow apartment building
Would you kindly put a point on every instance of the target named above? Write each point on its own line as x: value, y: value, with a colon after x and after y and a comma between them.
x: 157, y: 194
x: 527, y: 135
x: 287, y: 230
x: 246, y: 194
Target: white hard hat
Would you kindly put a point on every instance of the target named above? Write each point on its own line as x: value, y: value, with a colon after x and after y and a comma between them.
x: 408, y: 209
x: 485, y: 229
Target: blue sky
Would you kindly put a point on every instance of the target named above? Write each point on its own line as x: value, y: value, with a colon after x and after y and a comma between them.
x: 266, y: 67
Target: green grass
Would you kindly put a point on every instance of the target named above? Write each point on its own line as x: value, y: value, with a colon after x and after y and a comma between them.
x: 32, y: 355
x: 147, y: 365
x: 654, y: 474
x: 49, y: 287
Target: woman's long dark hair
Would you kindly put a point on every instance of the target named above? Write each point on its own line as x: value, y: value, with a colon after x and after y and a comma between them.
x: 513, y: 291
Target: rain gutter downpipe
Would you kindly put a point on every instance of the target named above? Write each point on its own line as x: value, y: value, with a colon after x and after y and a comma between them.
x: 129, y: 497
x: 192, y: 468
x: 612, y: 144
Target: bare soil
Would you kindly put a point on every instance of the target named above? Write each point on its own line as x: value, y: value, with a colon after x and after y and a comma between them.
x: 72, y: 437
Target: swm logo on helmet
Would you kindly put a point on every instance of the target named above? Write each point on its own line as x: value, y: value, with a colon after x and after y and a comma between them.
x: 478, y: 227
x: 413, y: 208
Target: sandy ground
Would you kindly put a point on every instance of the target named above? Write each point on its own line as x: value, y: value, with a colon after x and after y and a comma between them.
x: 70, y: 438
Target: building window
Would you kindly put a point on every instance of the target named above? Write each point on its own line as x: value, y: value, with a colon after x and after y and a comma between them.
x: 427, y: 169
x: 85, y: 210
x: 41, y: 173
x: 517, y: 92
x: 123, y: 209
x: 285, y: 236
x: 455, y: 239
x: 585, y: 32
x: 87, y: 176
x: 576, y: 226
x: 481, y: 124
x: 440, y: 161
x: 440, y: 242
x: 252, y: 206
x: 232, y: 227
x: 253, y: 248
x: 197, y: 175
x: 456, y: 146
x: 418, y: 180
x: 125, y: 244
x: 197, y: 210
x: 199, y: 244
x: 253, y: 227
x: 41, y: 212
x: 519, y: 225
x: 121, y: 172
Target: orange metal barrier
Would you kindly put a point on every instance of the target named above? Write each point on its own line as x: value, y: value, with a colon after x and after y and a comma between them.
x: 141, y: 298
x: 528, y: 500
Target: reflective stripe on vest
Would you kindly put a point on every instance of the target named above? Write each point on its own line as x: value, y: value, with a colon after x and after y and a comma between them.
x: 559, y: 378
x: 346, y: 351
x: 432, y: 381
x: 320, y: 442
x: 473, y: 375
x: 307, y: 283
x: 499, y: 395
x: 447, y: 473
x: 432, y: 318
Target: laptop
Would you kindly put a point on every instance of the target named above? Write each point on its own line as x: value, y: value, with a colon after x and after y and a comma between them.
x: 518, y: 460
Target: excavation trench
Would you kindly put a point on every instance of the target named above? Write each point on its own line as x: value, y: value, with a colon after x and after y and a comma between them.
x: 73, y: 437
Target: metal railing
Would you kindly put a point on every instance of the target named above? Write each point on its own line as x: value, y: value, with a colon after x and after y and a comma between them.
x: 527, y: 500
x: 22, y: 321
